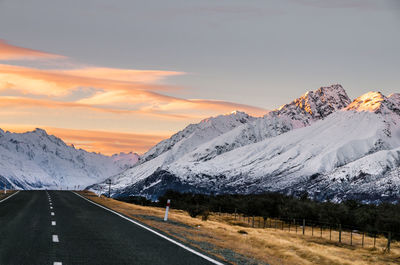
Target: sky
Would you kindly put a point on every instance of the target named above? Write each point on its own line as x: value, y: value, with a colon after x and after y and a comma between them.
x: 112, y: 76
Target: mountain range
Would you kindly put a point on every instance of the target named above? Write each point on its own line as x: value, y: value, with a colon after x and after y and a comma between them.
x: 36, y: 160
x: 322, y: 143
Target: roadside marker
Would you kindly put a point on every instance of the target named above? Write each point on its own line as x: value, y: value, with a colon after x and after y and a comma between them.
x: 166, y: 210
x: 154, y: 232
x: 55, y: 239
x: 53, y: 223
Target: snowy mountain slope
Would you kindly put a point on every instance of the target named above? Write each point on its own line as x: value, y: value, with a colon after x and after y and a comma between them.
x: 352, y: 153
x: 301, y: 112
x: 181, y: 143
x: 343, y: 156
x: 38, y: 160
x: 196, y: 134
x: 215, y: 136
x: 283, y: 160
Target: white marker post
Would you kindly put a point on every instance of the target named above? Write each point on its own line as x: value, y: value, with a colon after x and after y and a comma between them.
x: 166, y: 210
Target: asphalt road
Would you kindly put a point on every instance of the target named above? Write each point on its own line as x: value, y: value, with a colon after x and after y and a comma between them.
x: 79, y: 232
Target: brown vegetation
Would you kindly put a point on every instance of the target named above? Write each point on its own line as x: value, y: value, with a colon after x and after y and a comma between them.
x: 254, y: 245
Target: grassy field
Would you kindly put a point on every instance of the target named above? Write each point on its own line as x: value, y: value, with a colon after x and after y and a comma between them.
x: 9, y: 192
x: 234, y: 242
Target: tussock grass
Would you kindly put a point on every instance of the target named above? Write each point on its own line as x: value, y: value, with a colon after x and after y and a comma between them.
x: 3, y: 196
x: 268, y: 245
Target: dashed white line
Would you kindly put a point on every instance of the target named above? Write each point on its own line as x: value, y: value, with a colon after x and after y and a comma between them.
x: 53, y: 223
x: 57, y: 263
x: 55, y: 239
x: 51, y: 207
x: 52, y: 213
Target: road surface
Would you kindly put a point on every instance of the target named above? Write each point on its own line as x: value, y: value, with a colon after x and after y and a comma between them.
x: 59, y: 227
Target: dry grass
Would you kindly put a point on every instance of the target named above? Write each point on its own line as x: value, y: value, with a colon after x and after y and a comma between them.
x: 269, y: 245
x: 9, y: 192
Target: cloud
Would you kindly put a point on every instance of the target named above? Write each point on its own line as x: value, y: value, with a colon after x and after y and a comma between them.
x: 97, y: 97
x: 11, y: 52
x: 63, y: 82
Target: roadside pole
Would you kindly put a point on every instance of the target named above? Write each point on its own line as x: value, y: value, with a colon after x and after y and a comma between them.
x: 166, y: 210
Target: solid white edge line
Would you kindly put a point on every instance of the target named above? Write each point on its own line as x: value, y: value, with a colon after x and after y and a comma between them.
x: 9, y: 196
x: 154, y: 232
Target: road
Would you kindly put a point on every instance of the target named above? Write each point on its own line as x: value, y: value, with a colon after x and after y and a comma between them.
x: 59, y: 227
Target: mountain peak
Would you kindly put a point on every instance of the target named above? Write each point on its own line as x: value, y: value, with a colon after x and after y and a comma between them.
x: 40, y: 132
x: 318, y: 103
x: 376, y: 102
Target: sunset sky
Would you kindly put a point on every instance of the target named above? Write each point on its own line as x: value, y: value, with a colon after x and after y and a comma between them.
x: 111, y: 76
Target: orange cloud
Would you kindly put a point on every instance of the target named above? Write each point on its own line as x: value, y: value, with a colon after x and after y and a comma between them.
x: 11, y: 52
x: 99, y: 97
x: 63, y: 82
x: 105, y: 142
x: 125, y: 75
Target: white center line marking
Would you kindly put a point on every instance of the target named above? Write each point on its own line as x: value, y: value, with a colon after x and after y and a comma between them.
x: 57, y: 263
x: 55, y: 239
x: 53, y: 223
x: 52, y: 213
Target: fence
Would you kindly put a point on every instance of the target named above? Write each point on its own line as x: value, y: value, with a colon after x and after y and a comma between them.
x: 333, y: 232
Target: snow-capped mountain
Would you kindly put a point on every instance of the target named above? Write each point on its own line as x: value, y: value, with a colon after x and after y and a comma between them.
x: 35, y: 159
x: 321, y: 143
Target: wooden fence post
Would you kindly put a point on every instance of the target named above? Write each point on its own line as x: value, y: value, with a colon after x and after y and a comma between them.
x: 312, y: 229
x: 340, y: 233
x: 235, y: 213
x: 351, y: 237
x: 252, y: 223
x: 374, y: 240
x: 304, y: 226
x: 321, y: 230
x: 388, y: 243
x: 362, y: 242
x: 330, y: 232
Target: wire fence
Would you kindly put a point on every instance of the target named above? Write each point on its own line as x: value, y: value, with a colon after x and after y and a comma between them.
x: 334, y: 232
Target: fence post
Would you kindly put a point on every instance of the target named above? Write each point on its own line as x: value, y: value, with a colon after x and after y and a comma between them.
x: 259, y: 222
x: 330, y: 232
x: 304, y: 226
x: 312, y: 229
x: 252, y: 224
x: 321, y: 230
x: 374, y: 240
x: 351, y: 237
x: 388, y: 243
x: 289, y: 227
x: 362, y: 242
x: 340, y: 233
x: 235, y: 213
